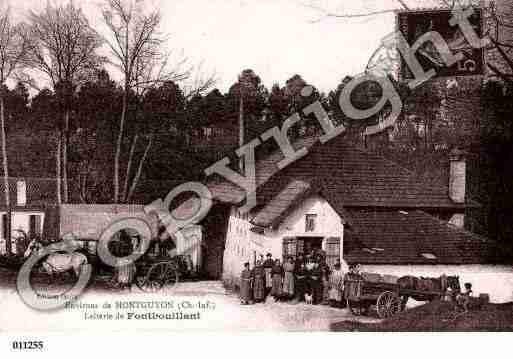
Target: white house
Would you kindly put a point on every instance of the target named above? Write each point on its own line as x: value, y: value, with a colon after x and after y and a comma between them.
x: 313, y: 224
x: 362, y: 209
x: 33, y: 210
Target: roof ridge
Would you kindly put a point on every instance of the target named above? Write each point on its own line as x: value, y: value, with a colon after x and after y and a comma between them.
x: 454, y: 228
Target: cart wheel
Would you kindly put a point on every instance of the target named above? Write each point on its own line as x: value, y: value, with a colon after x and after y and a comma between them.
x: 154, y: 279
x: 388, y: 304
x: 171, y: 276
x: 357, y: 308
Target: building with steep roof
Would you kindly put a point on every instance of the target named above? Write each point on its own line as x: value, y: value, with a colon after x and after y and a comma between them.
x: 34, y: 210
x: 360, y: 208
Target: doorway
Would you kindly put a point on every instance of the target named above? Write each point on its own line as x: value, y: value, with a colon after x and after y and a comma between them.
x: 311, y: 244
x: 301, y: 246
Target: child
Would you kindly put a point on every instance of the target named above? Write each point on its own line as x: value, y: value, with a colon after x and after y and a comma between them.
x: 463, y: 299
x: 448, y: 296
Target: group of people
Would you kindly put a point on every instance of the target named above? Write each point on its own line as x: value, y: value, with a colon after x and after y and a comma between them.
x: 305, y: 278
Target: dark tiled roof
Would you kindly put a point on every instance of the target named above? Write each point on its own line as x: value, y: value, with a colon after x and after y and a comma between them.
x: 357, y: 177
x: 279, y: 206
x: 227, y: 192
x: 349, y: 176
x: 402, y: 237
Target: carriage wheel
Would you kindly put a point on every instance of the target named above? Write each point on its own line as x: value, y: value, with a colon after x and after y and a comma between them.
x: 388, y: 304
x: 357, y: 308
x: 171, y: 275
x: 153, y: 280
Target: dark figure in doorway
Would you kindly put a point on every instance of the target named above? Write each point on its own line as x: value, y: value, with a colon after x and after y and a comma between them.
x: 277, y: 280
x: 301, y: 282
x: 299, y: 261
x: 268, y: 266
x: 314, y: 280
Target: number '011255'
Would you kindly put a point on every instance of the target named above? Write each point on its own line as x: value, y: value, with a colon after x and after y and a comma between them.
x: 28, y: 345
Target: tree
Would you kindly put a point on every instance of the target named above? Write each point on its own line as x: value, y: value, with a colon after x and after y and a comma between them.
x: 14, y: 44
x: 250, y: 96
x: 162, y: 108
x: 64, y: 49
x: 324, y: 12
x: 97, y: 111
x: 17, y: 107
x: 277, y: 105
x: 136, y: 48
x: 44, y: 111
x: 368, y: 11
x: 214, y: 107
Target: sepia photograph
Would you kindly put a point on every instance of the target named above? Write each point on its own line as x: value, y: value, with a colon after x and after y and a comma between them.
x: 255, y: 166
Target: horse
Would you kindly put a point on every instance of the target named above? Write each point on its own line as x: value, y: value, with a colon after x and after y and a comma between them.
x: 56, y: 263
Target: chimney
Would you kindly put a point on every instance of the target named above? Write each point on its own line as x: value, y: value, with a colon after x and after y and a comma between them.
x: 457, y: 174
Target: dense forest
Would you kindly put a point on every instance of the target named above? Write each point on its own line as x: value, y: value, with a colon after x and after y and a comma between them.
x: 103, y: 137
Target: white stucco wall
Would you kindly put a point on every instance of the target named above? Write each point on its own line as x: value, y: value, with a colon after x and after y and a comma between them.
x: 19, y: 221
x: 242, y: 245
x: 496, y: 280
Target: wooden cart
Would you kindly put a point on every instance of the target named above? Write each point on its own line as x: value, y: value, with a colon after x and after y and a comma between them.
x: 361, y: 295
x: 388, y: 298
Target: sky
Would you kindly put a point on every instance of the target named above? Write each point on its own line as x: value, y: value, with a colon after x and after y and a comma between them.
x: 275, y: 38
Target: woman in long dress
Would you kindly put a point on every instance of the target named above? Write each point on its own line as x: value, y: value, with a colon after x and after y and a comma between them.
x: 326, y: 271
x: 277, y: 279
x: 302, y: 282
x: 336, y: 286
x: 258, y: 282
x: 245, y: 285
x: 288, y: 278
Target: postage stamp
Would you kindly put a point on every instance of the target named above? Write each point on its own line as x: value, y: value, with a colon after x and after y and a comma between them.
x: 289, y: 166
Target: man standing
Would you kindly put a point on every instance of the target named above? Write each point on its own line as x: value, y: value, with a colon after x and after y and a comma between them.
x: 268, y: 266
x: 245, y: 284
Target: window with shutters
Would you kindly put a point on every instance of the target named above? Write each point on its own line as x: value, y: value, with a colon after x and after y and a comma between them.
x: 292, y: 247
x: 310, y: 220
x: 332, y: 248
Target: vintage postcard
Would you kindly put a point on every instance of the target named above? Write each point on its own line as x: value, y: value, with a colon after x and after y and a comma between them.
x: 255, y: 166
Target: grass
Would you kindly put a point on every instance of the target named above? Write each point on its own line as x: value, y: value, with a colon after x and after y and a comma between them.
x: 439, y: 316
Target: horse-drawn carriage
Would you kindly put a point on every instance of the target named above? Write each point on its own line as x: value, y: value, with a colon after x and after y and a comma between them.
x: 389, y: 294
x: 150, y: 272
